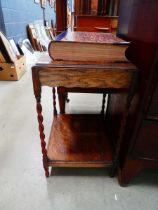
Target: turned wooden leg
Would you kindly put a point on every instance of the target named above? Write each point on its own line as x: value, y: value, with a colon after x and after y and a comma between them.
x: 103, y: 103
x: 62, y: 96
x: 37, y: 92
x: 42, y: 137
x: 67, y: 99
x: 129, y: 171
x: 54, y: 101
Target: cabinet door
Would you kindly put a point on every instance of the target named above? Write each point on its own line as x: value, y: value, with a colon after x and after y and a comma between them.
x: 146, y: 145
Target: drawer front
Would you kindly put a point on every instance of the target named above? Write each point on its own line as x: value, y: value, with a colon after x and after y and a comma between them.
x: 153, y: 110
x: 86, y: 77
x: 147, y: 140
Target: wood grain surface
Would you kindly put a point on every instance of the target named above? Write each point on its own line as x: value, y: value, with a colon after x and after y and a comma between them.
x: 86, y: 76
x: 79, y: 140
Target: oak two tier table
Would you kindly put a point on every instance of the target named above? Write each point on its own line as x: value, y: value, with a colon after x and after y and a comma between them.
x: 81, y: 140
x: 85, y: 40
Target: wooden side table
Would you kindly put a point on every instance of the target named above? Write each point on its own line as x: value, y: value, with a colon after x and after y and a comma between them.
x: 85, y: 37
x: 80, y: 140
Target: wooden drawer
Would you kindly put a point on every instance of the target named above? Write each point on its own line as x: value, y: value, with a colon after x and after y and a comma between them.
x: 147, y: 140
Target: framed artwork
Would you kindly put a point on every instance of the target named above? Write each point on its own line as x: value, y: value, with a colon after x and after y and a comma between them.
x: 6, y: 49
x: 14, y: 47
x: 37, y: 1
x: 54, y: 6
x: 52, y: 3
x: 28, y: 45
x: 43, y: 3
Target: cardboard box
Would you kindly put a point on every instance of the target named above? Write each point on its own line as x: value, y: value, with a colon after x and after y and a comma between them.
x: 13, y: 71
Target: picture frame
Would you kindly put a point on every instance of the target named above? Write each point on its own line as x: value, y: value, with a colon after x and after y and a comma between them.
x: 52, y: 3
x: 6, y: 49
x: 43, y: 3
x: 14, y: 47
x: 37, y: 1
x: 28, y: 45
x: 55, y: 6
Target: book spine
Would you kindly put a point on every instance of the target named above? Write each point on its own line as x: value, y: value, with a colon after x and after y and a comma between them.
x: 111, y: 7
x: 99, y: 7
x: 104, y: 7
x: 108, y: 7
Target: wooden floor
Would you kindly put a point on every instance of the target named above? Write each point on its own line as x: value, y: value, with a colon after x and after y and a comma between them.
x: 79, y: 141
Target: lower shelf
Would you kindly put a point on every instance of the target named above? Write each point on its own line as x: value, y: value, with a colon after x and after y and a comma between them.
x: 79, y: 141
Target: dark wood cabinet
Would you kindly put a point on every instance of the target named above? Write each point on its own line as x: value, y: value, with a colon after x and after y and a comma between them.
x: 146, y: 145
x: 139, y: 149
x: 153, y: 106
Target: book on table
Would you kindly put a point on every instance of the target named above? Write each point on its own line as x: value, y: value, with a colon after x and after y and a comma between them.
x: 88, y: 46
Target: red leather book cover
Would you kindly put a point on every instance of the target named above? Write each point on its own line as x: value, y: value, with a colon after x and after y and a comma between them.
x: 92, y: 37
x: 88, y: 46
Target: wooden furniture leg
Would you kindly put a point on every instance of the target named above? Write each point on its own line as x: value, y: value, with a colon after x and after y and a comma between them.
x: 132, y: 90
x: 103, y: 103
x: 62, y: 96
x: 130, y: 170
x: 42, y: 135
x: 54, y: 101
